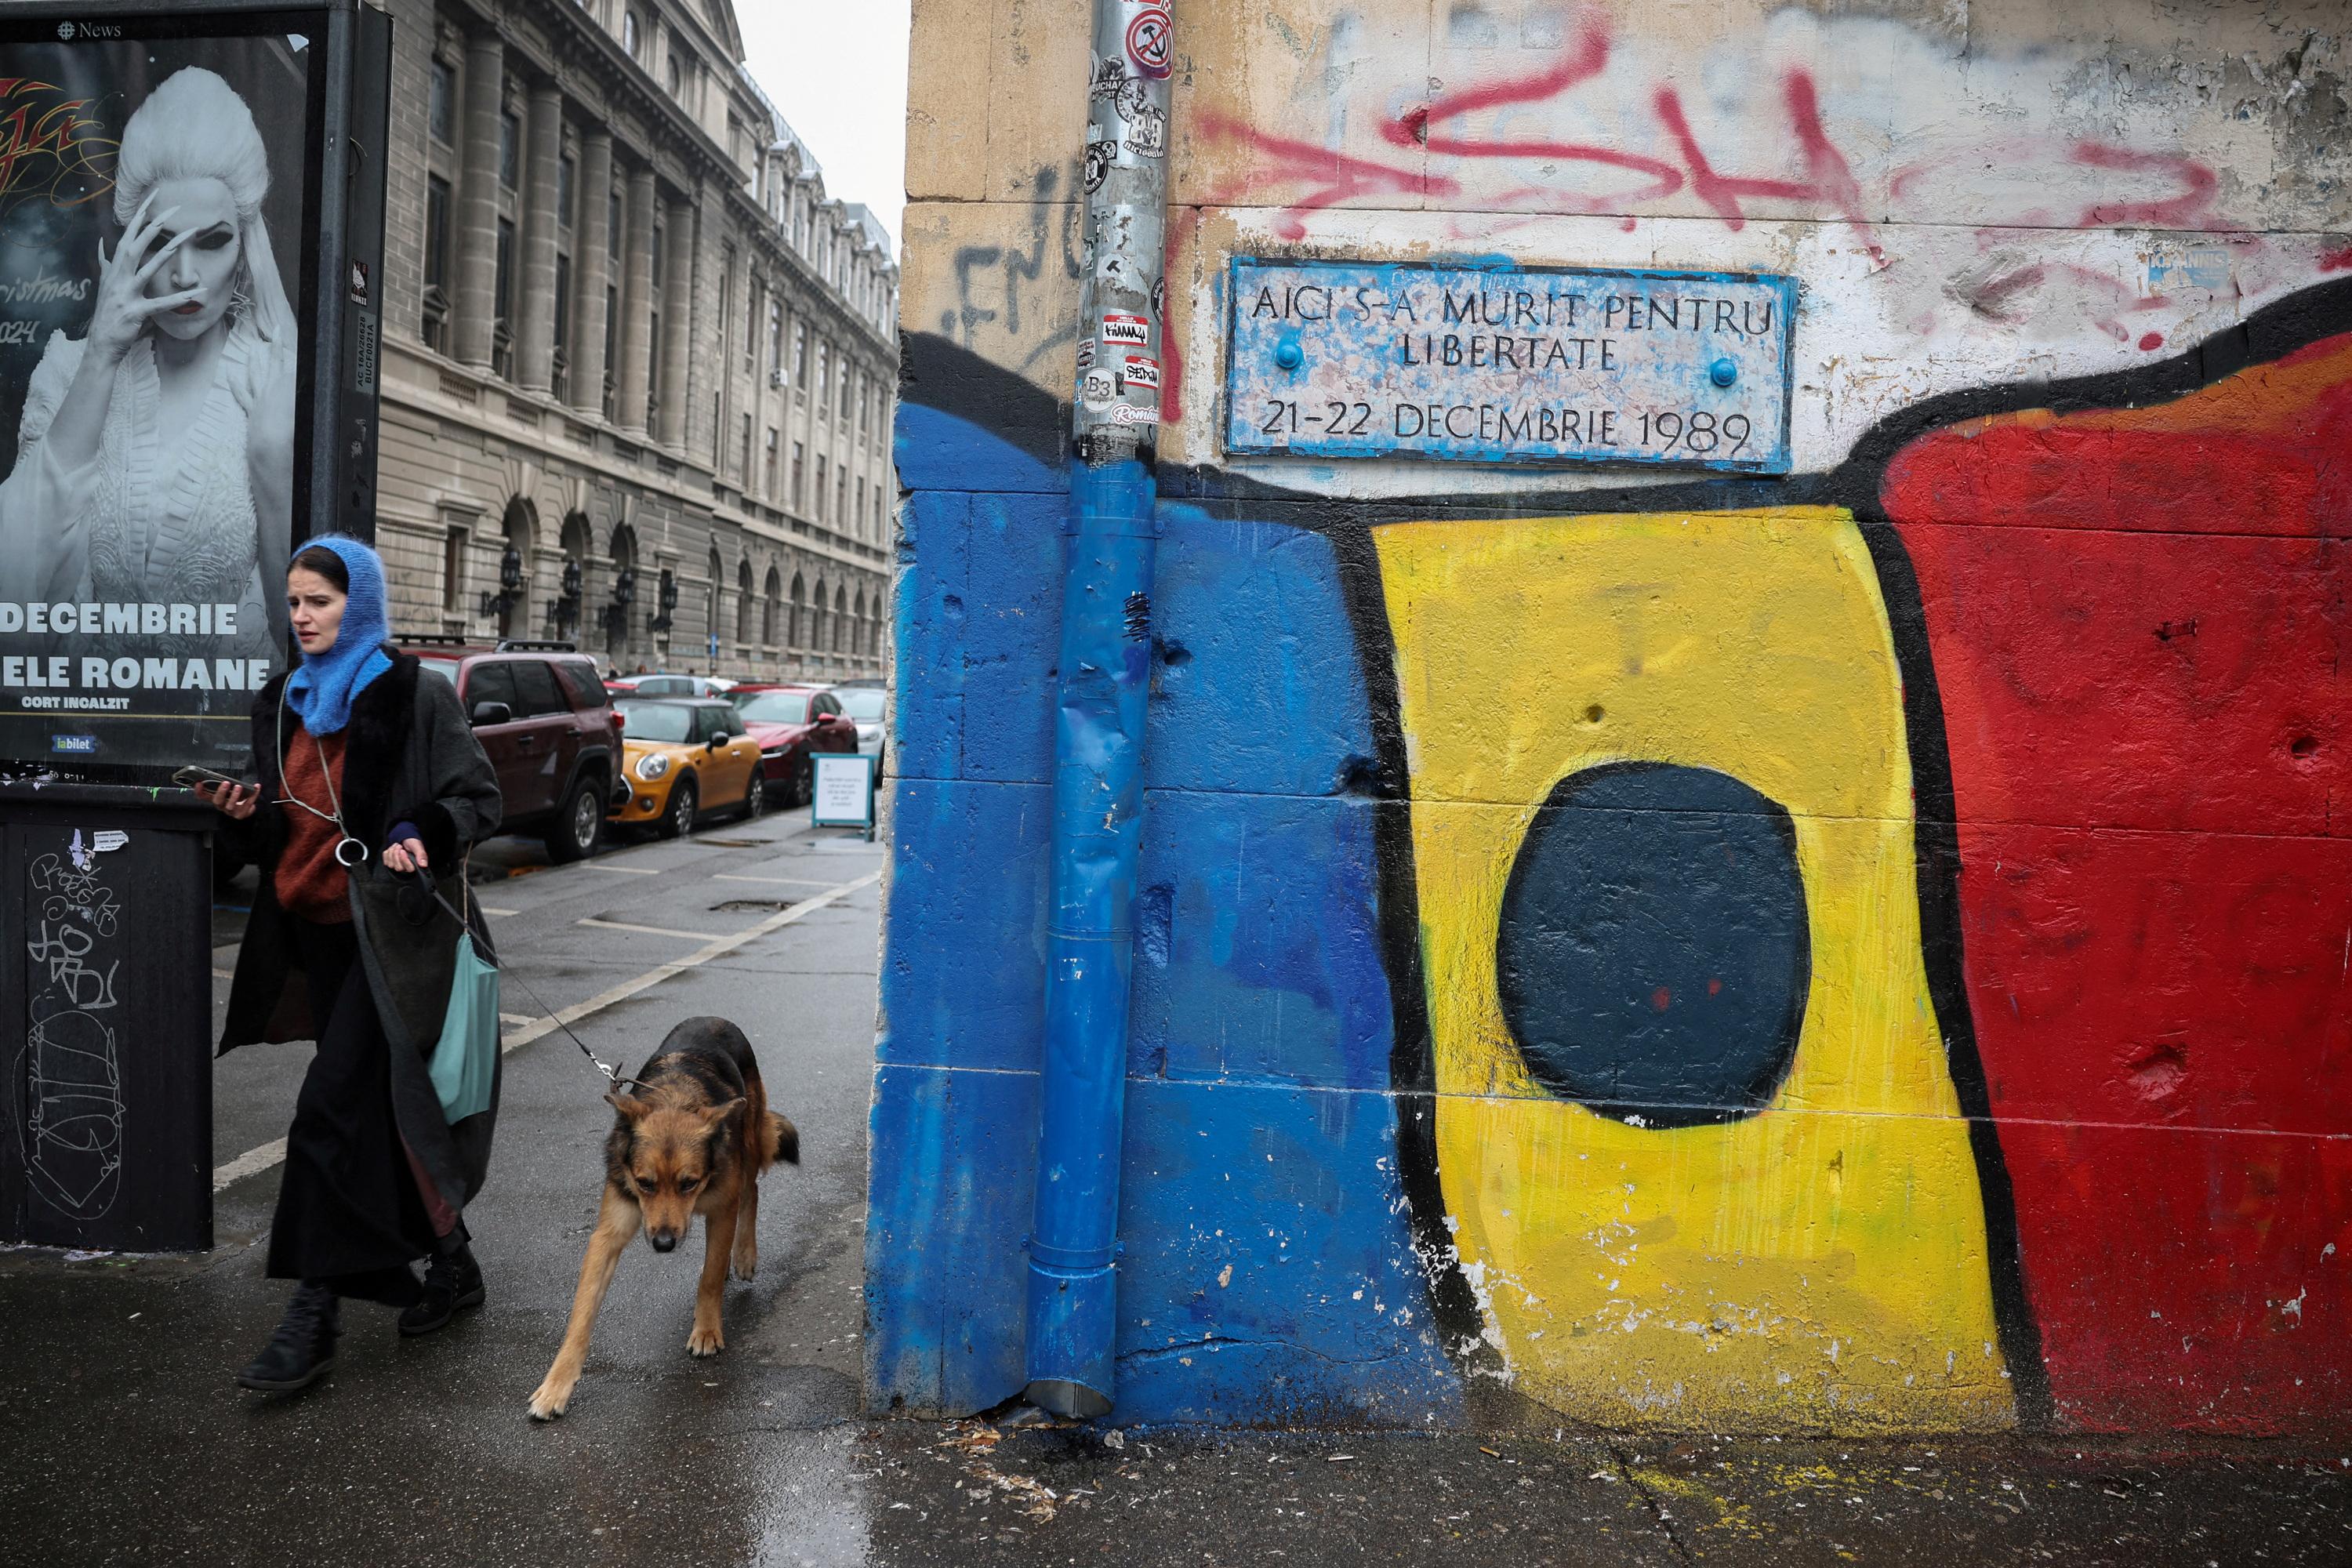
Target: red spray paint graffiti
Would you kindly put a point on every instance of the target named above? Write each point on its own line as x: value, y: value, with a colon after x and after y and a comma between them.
x: 1829, y: 182
x: 1826, y: 185
x: 1589, y: 56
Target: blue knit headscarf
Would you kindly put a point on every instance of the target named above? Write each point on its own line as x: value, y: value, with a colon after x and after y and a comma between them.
x: 322, y: 690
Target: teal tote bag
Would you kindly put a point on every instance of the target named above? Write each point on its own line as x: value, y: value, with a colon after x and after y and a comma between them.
x: 466, y: 1057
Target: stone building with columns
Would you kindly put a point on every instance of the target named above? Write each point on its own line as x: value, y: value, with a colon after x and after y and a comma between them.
x: 638, y: 367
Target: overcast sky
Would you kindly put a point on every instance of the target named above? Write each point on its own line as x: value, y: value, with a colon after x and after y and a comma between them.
x: 837, y: 71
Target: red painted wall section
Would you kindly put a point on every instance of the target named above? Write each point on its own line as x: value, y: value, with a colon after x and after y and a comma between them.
x: 2138, y: 623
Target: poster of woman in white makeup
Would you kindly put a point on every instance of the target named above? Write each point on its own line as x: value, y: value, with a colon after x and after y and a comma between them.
x: 149, y: 353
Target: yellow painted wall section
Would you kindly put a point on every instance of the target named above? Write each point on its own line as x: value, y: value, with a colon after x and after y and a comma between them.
x: 1820, y: 1263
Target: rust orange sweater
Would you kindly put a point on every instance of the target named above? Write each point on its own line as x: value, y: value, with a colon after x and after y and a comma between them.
x: 308, y: 881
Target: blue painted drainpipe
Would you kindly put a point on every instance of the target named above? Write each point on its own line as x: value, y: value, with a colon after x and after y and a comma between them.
x: 1099, y: 723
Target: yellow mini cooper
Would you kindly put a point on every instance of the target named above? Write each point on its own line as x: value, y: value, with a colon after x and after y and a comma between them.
x: 683, y: 757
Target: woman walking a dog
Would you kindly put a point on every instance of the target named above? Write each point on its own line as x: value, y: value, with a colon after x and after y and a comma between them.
x: 370, y: 775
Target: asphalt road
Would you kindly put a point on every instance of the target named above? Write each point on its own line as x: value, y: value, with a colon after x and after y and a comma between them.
x: 126, y: 1442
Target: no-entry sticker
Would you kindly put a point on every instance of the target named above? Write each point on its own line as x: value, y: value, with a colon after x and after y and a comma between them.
x: 1151, y: 42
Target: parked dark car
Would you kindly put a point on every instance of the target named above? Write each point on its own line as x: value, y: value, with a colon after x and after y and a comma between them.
x: 792, y: 723
x: 541, y: 713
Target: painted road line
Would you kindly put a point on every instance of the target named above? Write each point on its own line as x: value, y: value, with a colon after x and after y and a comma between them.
x: 774, y: 881
x: 267, y: 1155
x: 695, y: 960
x: 626, y: 870
x: 517, y: 1019
x: 496, y: 914
x: 251, y: 1162
x: 653, y: 930
x: 224, y: 974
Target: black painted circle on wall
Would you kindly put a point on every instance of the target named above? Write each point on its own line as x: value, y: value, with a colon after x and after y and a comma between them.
x: 1654, y: 953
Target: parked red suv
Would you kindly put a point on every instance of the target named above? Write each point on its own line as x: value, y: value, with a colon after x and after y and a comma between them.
x: 541, y: 713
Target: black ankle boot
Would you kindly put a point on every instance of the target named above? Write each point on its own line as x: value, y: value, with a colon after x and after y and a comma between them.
x: 302, y: 1351
x: 453, y: 1282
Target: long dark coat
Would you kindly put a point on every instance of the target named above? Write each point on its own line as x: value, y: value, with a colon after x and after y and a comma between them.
x: 409, y: 756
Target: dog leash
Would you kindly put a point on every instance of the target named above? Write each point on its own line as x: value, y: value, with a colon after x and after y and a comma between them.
x: 612, y: 1070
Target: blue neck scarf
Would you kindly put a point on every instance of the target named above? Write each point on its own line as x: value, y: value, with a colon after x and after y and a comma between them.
x: 321, y: 692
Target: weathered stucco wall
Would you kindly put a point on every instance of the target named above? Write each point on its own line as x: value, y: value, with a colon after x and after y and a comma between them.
x: 1862, y: 949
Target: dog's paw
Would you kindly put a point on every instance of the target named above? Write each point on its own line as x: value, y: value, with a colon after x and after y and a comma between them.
x: 548, y: 1401
x: 745, y: 1263
x: 706, y: 1342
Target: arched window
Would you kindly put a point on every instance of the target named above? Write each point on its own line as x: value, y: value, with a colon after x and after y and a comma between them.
x: 710, y: 603
x: 521, y: 526
x: 799, y: 628
x: 775, y: 608
x: 816, y: 618
x: 840, y: 616
x: 743, y: 601
x: 579, y: 543
x: 619, y: 611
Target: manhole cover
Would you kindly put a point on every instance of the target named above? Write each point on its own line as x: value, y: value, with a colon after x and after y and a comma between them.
x: 740, y: 906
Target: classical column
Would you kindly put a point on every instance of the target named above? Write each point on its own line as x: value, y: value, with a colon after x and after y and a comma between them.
x: 677, y: 323
x: 535, y: 311
x: 478, y: 200
x: 591, y: 275
x: 637, y: 301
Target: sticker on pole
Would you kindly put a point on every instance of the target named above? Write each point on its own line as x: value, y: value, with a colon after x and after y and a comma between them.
x: 1151, y: 42
x: 1130, y: 331
x: 1143, y: 371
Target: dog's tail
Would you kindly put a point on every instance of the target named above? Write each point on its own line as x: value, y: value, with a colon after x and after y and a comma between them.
x: 780, y: 1140
x: 772, y: 1137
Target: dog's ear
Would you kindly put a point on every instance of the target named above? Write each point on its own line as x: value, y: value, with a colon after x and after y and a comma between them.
x: 628, y: 1105
x: 719, y: 1116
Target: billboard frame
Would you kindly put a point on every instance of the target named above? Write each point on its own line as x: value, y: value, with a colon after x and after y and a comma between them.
x: 106, y: 834
x: 342, y: 270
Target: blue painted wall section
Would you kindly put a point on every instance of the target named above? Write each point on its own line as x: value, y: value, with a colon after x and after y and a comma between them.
x: 1269, y: 1271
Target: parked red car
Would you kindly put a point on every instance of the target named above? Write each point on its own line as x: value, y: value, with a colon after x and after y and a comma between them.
x: 792, y: 723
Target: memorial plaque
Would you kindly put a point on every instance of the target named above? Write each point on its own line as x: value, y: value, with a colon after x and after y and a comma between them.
x: 1509, y: 364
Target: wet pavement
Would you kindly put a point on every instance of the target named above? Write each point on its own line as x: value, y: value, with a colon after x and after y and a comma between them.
x: 978, y: 1494
x: 126, y: 1443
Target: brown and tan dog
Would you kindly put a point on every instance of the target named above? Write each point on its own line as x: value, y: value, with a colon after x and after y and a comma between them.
x: 690, y: 1139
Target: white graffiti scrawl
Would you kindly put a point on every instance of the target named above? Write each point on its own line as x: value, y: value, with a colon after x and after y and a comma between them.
x: 72, y: 1074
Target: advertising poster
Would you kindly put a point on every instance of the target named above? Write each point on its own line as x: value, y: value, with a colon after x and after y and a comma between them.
x: 157, y: 186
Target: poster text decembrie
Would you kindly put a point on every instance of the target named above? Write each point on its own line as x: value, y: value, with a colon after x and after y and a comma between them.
x: 39, y: 680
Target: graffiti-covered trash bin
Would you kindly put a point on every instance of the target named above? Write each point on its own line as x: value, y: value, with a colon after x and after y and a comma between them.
x: 106, y: 1012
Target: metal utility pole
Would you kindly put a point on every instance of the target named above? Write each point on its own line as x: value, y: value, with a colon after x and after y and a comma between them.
x: 1105, y: 674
